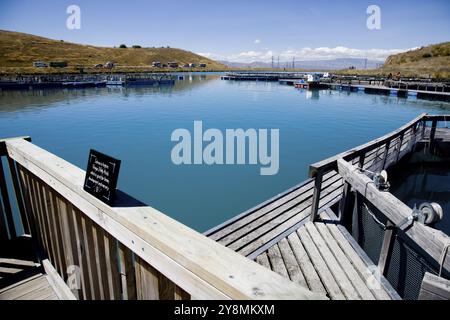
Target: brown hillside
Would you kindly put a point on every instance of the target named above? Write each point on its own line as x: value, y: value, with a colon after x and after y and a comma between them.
x: 19, y: 50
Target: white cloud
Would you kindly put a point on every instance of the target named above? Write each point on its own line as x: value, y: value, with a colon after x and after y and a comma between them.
x: 321, y: 53
x: 257, y: 41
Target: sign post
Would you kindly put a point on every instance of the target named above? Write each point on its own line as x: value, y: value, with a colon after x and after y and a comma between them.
x: 102, y: 174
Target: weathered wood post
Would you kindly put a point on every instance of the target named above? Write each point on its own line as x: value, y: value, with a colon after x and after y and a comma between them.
x: 316, y: 194
x: 386, y: 248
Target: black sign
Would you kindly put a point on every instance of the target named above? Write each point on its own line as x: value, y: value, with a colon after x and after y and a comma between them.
x: 101, y: 176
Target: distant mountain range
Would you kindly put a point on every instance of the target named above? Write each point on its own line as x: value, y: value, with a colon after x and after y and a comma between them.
x: 335, y: 64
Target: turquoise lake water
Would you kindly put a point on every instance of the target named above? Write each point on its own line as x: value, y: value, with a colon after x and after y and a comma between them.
x: 135, y: 125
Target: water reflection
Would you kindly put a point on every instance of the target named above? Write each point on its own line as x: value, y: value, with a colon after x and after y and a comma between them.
x: 18, y: 100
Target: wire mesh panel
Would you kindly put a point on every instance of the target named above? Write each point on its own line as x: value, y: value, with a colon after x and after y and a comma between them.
x: 366, y: 230
x: 406, y: 265
x: 407, y: 268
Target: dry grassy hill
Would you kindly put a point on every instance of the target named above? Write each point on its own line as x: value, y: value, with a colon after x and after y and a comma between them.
x: 431, y: 61
x: 19, y: 50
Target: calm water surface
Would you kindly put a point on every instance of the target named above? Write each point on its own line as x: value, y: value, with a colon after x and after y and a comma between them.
x: 135, y: 125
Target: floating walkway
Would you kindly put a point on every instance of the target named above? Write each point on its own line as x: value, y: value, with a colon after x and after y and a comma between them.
x: 300, y: 233
x: 380, y: 89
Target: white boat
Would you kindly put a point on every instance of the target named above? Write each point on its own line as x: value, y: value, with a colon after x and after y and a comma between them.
x: 115, y: 82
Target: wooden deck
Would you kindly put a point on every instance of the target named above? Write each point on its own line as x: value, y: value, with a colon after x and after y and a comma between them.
x: 323, y: 257
x: 36, y: 287
x: 319, y: 253
x: 320, y: 256
x: 21, y: 278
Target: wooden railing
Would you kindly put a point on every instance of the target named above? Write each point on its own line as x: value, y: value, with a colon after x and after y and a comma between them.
x: 375, y: 155
x: 433, y: 242
x: 128, y: 251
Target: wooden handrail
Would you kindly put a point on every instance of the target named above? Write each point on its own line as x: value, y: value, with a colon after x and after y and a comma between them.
x: 432, y: 241
x: 200, y: 266
x: 330, y: 163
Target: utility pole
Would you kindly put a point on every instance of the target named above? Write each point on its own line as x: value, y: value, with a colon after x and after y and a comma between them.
x: 278, y: 63
x: 293, y: 62
x: 272, y: 62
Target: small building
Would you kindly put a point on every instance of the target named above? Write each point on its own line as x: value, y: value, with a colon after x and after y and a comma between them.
x: 40, y: 64
x: 202, y: 65
x: 186, y: 65
x: 58, y: 64
x: 156, y: 64
x: 172, y: 64
x: 192, y: 65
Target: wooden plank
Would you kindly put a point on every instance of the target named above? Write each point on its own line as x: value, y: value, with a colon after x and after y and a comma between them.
x: 253, y: 240
x: 180, y: 294
x: 250, y: 221
x: 59, y: 261
x: 36, y: 213
x: 27, y: 199
x: 259, y: 222
x: 276, y: 261
x: 248, y: 216
x: 362, y: 268
x: 431, y: 240
x: 127, y: 273
x: 293, y: 269
x: 45, y: 208
x: 197, y: 264
x: 386, y: 248
x: 333, y: 265
x: 19, y: 196
x: 166, y: 288
x: 58, y: 285
x: 330, y: 284
x: 39, y: 293
x: 112, y: 267
x: 434, y: 288
x: 3, y: 224
x: 90, y: 256
x: 18, y: 283
x: 81, y: 249
x: 308, y: 270
x: 147, y: 281
x: 359, y: 284
x: 263, y: 260
x: 344, y: 202
x: 72, y: 250
x: 6, y: 203
x: 56, y: 224
x: 17, y: 291
x: 331, y: 162
x: 280, y: 231
x: 316, y: 194
x: 100, y: 260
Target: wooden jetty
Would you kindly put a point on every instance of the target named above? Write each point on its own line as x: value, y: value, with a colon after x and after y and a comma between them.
x: 301, y: 235
x: 263, y: 76
x: 127, y: 251
x: 84, y: 81
x: 294, y: 246
x: 382, y: 89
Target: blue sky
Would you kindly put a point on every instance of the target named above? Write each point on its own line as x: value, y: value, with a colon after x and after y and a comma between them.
x: 242, y: 30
